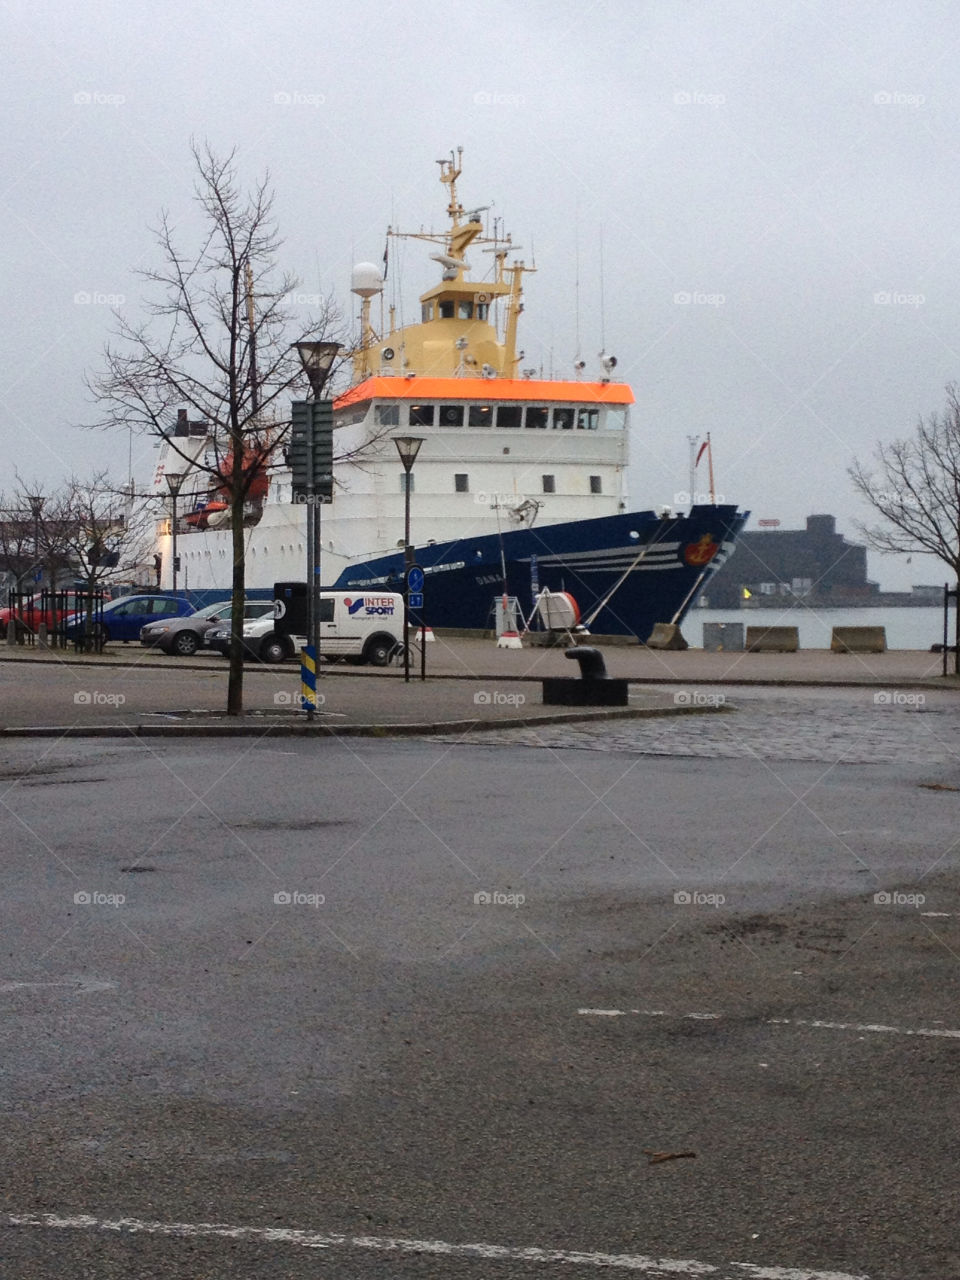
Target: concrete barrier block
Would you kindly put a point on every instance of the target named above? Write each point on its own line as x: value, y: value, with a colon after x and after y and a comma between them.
x: 723, y: 637
x: 858, y: 640
x: 773, y: 639
x: 666, y: 635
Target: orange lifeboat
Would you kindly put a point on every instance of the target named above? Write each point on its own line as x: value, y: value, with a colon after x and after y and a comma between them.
x: 198, y: 519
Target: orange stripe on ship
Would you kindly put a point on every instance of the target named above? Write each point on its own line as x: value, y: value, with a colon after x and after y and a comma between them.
x: 484, y: 390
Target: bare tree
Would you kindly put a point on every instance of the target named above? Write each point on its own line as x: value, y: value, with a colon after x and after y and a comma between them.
x: 18, y: 537
x: 94, y: 527
x: 916, y: 489
x: 218, y: 341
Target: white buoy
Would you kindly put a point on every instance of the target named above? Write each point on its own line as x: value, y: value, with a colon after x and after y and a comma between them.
x: 509, y: 640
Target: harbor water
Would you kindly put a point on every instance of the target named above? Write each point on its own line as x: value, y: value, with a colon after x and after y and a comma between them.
x: 913, y: 627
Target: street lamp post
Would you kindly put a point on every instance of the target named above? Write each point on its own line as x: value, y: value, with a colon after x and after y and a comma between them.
x: 174, y: 482
x: 317, y: 359
x: 36, y: 501
x: 408, y: 447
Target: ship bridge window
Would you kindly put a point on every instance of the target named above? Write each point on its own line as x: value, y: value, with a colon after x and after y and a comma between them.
x: 616, y: 419
x: 451, y: 415
x: 480, y: 415
x: 426, y: 311
x: 421, y: 415
x: 588, y: 419
x: 461, y: 482
x: 446, y: 310
x: 464, y: 310
x: 483, y: 310
x: 563, y: 419
x: 388, y: 415
x: 549, y: 484
x: 537, y: 415
x: 508, y: 415
x: 596, y: 484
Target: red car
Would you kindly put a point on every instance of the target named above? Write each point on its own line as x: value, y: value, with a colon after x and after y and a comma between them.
x: 31, y: 613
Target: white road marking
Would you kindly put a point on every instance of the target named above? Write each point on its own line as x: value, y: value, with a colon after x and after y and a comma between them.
x: 389, y: 1244
x: 820, y: 1024
x: 82, y: 986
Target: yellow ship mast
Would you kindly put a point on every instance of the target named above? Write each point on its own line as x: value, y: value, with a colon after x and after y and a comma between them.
x: 455, y: 337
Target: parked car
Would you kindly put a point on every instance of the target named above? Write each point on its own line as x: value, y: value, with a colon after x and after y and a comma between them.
x: 125, y: 618
x: 184, y: 636
x: 30, y: 613
x: 364, y: 627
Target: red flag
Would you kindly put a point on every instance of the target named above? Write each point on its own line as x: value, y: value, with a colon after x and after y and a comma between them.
x: 701, y: 451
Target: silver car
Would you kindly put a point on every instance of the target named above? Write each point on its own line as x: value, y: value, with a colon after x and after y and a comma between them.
x: 184, y: 636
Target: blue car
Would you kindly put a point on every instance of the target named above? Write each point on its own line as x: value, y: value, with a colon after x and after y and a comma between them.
x: 123, y: 619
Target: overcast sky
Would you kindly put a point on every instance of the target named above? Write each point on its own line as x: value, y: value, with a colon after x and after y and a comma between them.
x: 792, y: 169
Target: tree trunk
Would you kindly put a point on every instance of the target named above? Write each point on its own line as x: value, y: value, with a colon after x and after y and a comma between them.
x: 235, y: 681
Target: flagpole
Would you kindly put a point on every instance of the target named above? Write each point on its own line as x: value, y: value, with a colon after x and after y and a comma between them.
x: 713, y: 497
x: 693, y: 442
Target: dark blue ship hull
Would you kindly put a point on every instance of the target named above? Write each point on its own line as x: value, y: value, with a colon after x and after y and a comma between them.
x: 664, y: 564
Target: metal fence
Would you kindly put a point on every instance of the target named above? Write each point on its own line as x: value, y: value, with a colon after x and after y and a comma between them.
x: 71, y: 616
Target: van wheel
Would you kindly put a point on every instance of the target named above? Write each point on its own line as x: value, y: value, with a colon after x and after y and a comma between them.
x: 273, y: 650
x: 379, y: 650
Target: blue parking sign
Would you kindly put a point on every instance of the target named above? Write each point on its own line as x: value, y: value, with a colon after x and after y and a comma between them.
x: 416, y: 599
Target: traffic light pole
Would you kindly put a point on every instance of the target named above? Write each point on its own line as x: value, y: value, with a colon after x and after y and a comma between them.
x: 312, y: 476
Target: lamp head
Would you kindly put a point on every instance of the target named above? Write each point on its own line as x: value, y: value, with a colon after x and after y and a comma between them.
x: 317, y: 359
x: 408, y: 447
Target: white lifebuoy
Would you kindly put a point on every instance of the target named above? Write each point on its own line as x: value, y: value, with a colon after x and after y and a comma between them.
x: 483, y: 297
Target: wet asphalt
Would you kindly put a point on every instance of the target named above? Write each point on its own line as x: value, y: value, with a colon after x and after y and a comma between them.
x: 374, y: 1054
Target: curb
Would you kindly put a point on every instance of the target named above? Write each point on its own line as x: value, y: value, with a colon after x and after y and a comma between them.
x: 426, y: 729
x: 333, y: 670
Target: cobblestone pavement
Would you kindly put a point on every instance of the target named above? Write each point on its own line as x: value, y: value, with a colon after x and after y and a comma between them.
x: 832, y: 726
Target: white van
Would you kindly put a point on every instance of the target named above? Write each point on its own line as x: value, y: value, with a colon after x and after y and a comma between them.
x: 364, y: 626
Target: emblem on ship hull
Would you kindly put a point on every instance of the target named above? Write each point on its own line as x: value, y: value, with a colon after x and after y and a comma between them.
x: 702, y: 551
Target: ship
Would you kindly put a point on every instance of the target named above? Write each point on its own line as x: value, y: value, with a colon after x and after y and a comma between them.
x: 519, y: 487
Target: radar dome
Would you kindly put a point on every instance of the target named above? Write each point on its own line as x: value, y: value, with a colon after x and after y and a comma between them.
x: 365, y: 280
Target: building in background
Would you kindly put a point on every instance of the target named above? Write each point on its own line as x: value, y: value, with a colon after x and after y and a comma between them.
x: 815, y: 565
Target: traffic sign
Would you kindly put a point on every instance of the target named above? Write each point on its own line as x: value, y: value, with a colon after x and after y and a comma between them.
x: 416, y: 599
x: 311, y: 449
x: 414, y: 578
